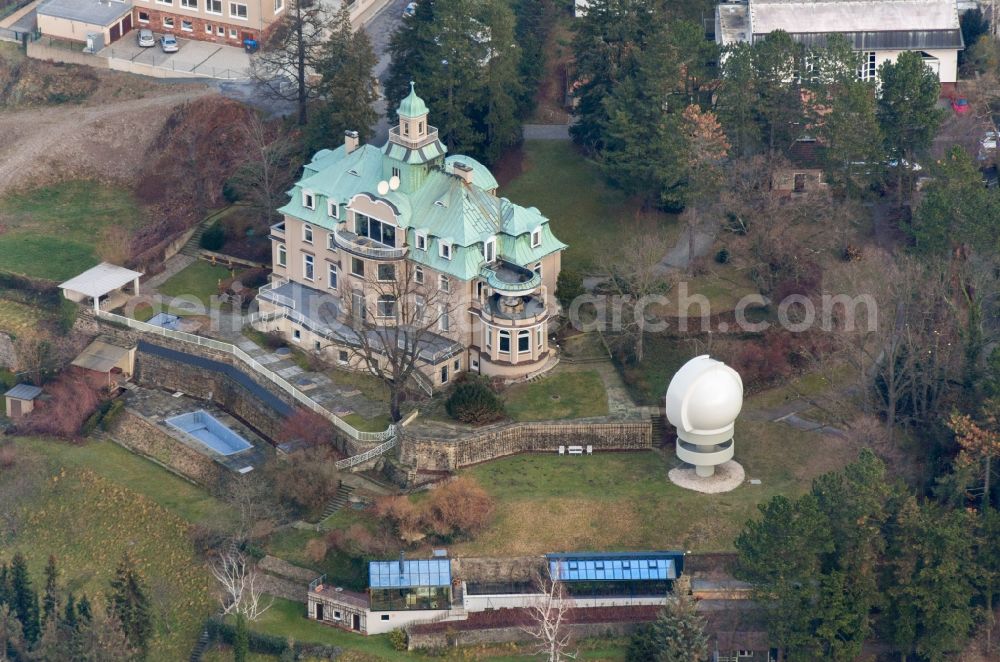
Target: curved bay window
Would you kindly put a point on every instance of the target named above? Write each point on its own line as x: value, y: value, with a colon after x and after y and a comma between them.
x: 366, y: 226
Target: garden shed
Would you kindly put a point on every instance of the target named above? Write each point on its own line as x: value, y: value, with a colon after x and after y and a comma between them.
x: 75, y: 20
x: 20, y: 400
x: 115, y: 362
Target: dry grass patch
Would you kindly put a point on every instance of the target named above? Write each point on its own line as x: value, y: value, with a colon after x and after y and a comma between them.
x: 20, y: 320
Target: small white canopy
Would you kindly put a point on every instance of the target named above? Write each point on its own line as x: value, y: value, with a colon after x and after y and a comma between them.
x: 100, y: 280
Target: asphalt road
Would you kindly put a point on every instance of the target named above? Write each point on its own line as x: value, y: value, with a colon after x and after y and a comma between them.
x: 380, y: 28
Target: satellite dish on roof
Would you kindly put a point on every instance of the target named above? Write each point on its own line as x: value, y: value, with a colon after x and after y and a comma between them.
x: 383, y: 187
x: 393, y: 183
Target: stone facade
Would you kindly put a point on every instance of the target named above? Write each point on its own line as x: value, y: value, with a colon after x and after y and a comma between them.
x: 427, y: 454
x: 144, y: 437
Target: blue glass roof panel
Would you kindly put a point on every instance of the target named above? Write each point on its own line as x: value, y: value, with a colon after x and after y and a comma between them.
x: 409, y: 573
x: 650, y: 566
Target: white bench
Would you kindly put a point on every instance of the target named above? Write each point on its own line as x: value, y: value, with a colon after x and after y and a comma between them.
x: 575, y: 450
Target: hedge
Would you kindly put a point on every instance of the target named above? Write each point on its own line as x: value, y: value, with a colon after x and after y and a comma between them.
x: 268, y: 644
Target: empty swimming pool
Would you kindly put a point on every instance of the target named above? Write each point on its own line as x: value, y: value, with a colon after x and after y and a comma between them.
x: 210, y: 431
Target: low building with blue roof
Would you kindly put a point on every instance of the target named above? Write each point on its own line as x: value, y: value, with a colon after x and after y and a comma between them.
x: 408, y: 238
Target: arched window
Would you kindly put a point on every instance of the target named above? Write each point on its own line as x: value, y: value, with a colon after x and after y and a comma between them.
x: 504, y: 342
x: 523, y: 342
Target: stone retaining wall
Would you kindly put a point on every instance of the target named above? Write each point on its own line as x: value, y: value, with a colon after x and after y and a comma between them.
x: 142, y: 436
x: 508, y: 439
x: 577, y: 631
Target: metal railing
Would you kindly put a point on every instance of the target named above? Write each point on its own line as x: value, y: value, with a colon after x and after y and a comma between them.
x: 354, y: 460
x: 316, y: 582
x: 267, y: 292
x: 352, y: 243
x: 300, y: 397
x: 423, y: 382
x: 432, y: 135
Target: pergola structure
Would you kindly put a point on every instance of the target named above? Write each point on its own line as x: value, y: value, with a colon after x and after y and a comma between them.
x: 100, y: 281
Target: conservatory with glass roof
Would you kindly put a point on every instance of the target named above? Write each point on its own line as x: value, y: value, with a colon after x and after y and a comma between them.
x: 616, y: 574
x: 410, y: 584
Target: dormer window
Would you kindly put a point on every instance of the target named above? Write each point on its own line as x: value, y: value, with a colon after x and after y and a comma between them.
x: 444, y: 249
x: 420, y: 238
x: 333, y: 209
x: 307, y: 233
x: 308, y: 200
x: 490, y: 249
x: 536, y: 238
x: 353, y: 171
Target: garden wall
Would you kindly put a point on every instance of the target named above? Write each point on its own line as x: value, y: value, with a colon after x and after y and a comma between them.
x: 139, y: 434
x: 427, y: 454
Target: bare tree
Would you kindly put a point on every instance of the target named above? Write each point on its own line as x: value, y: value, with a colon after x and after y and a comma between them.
x: 635, y: 274
x: 269, y: 167
x: 241, y: 585
x: 396, y: 324
x: 253, y: 497
x: 549, y: 615
x: 291, y: 54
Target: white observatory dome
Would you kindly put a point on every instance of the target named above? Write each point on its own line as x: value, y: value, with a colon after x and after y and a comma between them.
x: 703, y: 400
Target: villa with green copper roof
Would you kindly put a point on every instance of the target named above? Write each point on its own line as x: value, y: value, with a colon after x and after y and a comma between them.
x: 405, y: 237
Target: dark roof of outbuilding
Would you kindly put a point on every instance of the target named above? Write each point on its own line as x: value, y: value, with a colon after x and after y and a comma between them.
x: 24, y: 392
x: 902, y: 40
x: 94, y: 12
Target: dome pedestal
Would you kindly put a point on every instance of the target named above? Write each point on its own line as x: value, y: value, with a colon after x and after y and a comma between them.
x: 725, y: 477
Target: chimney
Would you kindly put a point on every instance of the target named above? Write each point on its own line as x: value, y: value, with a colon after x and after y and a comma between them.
x: 351, y: 141
x: 463, y: 171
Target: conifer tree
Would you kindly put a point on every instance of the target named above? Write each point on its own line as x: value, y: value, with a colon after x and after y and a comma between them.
x: 83, y: 609
x: 677, y: 635
x: 129, y: 605
x: 69, y: 618
x: 50, y: 598
x: 24, y: 599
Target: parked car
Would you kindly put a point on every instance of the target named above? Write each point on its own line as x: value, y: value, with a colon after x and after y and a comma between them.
x: 409, y: 10
x: 989, y: 140
x: 960, y: 105
x: 145, y: 38
x: 912, y: 167
x: 168, y: 43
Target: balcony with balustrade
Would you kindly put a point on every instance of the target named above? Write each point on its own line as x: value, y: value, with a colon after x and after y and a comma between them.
x: 366, y: 247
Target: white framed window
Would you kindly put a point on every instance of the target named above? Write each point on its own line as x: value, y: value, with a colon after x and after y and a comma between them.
x: 237, y: 10
x: 331, y: 243
x: 457, y: 365
x: 489, y: 339
x: 190, y: 4
x: 282, y: 257
x: 539, y: 337
x: 418, y: 274
x: 420, y: 239
x: 233, y: 33
x: 385, y: 617
x: 144, y: 17
x: 296, y: 335
x: 332, y: 209
x: 221, y: 31
x: 386, y: 306
x: 213, y: 7
x: 537, y: 269
x: 307, y: 233
x: 208, y: 28
x: 164, y: 2
x: 278, y: 5
x: 504, y: 340
x: 524, y: 342
x: 490, y: 249
x: 358, y: 267
x: 536, y: 238
x: 308, y: 267
x: 374, y: 229
x: 867, y: 70
x: 419, y: 309
x: 444, y: 249
x: 444, y: 283
x: 358, y: 306
x: 168, y: 21
x: 443, y: 322
x: 444, y: 374
x: 386, y: 273
x: 308, y: 200
x: 342, y: 359
x: 187, y: 26
x: 395, y: 171
x: 332, y: 276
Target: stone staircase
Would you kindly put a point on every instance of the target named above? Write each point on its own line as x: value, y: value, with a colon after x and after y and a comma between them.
x: 200, y: 646
x: 338, y: 501
x: 661, y: 428
x: 193, y: 246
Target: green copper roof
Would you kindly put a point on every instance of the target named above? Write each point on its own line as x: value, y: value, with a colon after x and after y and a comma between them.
x: 412, y: 106
x: 438, y: 203
x: 481, y: 175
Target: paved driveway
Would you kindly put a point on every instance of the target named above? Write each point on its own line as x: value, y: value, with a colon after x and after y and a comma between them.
x: 380, y: 28
x: 194, y: 58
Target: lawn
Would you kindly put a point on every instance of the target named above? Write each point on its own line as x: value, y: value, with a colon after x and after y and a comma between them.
x: 19, y: 319
x: 584, y: 211
x: 572, y: 394
x: 377, y: 424
x: 87, y: 516
x: 664, y: 355
x: 54, y: 232
x: 199, y: 280
x: 624, y: 501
